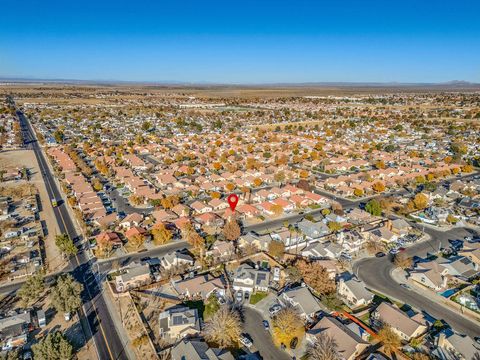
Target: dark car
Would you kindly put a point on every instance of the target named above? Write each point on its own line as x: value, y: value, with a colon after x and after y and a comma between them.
x: 380, y: 254
x: 294, y: 343
x: 266, y: 325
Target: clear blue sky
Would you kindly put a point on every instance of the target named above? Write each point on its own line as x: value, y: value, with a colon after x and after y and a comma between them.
x: 246, y: 41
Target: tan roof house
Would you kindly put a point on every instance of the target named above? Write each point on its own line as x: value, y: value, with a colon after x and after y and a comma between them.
x: 134, y: 276
x: 350, y: 345
x: 201, y: 286
x: 179, y: 322
x: 406, y: 327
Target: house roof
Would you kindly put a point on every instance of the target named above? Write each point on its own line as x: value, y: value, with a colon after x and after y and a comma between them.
x: 198, y: 350
x: 347, y: 341
x: 397, y: 319
x: 304, y: 298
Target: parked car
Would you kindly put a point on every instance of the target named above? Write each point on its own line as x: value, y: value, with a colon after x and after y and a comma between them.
x: 294, y: 343
x: 239, y: 296
x: 245, y: 340
x: 380, y: 254
x: 274, y: 309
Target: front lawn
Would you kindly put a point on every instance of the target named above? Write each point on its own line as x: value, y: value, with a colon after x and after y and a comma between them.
x: 258, y: 296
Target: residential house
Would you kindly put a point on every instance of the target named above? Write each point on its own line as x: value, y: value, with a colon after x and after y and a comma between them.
x: 14, y: 330
x: 453, y: 346
x: 311, y: 230
x: 134, y: 276
x: 200, y: 207
x: 430, y: 274
x: 221, y: 250
x: 349, y: 344
x: 302, y: 300
x: 179, y: 322
x: 260, y: 242
x: 461, y: 267
x: 471, y: 251
x: 352, y: 292
x: 326, y: 250
x: 133, y: 219
x: 108, y: 238
x: 196, y: 349
x: 400, y: 227
x: 201, y: 286
x: 406, y: 327
x: 176, y: 259
x: 351, y: 241
x: 249, y: 279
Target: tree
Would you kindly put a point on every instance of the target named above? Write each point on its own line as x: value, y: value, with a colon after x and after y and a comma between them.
x: 279, y: 177
x: 403, y: 261
x: 223, y: 328
x: 54, y: 346
x: 373, y: 246
x: 66, y: 245
x: 334, y: 226
x: 378, y: 186
x: 31, y: 290
x: 231, y: 230
x: 13, y: 354
x: 97, y: 185
x: 323, y: 348
x: 136, y: 240
x: 58, y: 136
x: 66, y: 293
x: 277, y: 209
x: 358, y: 192
x: 451, y: 219
x: 389, y: 338
x: 287, y: 325
x: 374, y: 208
x: 316, y: 276
x: 161, y: 235
x: 420, y: 201
x: 276, y: 249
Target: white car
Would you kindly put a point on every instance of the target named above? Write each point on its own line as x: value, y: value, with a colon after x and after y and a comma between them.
x: 245, y: 340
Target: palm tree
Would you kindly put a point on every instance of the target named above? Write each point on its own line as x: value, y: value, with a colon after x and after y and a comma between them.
x: 324, y: 348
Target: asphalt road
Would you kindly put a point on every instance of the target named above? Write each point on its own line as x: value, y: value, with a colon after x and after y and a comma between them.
x: 376, y: 273
x: 274, y: 224
x: 262, y: 339
x: 94, y: 309
x: 122, y: 204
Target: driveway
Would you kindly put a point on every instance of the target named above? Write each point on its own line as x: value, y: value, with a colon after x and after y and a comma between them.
x: 262, y: 339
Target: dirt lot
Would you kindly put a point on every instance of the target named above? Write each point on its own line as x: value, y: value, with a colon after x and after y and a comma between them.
x: 85, y: 350
x: 21, y: 158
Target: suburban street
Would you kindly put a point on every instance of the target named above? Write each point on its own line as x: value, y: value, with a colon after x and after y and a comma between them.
x: 262, y: 339
x: 94, y: 309
x: 376, y: 273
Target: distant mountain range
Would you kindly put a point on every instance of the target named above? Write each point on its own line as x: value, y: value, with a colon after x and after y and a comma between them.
x: 449, y: 84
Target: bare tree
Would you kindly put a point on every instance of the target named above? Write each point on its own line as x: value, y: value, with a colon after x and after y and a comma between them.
x: 223, y: 328
x: 324, y: 348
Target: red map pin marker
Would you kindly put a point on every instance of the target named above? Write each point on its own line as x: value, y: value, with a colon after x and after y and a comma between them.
x: 232, y: 201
